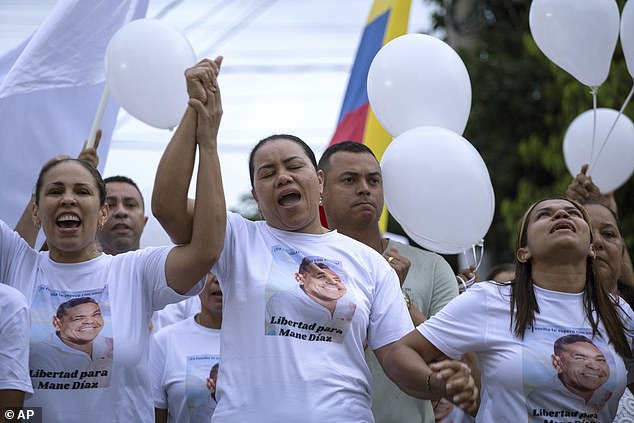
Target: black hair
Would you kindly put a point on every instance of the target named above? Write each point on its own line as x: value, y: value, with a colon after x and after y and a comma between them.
x: 63, y: 307
x: 598, y: 304
x: 125, y: 180
x: 297, y: 140
x: 304, y: 266
x: 101, y: 186
x: 347, y: 146
x: 213, y: 372
x: 560, y: 343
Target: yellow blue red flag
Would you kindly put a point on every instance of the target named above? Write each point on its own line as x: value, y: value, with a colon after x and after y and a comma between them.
x: 388, y: 19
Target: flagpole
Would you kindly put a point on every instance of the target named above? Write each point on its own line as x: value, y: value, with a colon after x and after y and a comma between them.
x: 90, y: 143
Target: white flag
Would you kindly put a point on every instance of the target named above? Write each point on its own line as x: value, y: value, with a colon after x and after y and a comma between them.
x: 50, y: 87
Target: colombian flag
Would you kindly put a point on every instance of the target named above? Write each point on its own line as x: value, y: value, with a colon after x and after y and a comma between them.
x: 388, y: 19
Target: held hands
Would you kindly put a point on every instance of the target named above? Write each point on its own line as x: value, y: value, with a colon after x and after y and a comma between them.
x: 202, y: 77
x: 452, y: 379
x: 204, y: 97
x: 399, y: 263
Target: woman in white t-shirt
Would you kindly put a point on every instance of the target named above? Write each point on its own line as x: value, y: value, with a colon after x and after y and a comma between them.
x: 553, y: 343
x: 70, y: 206
x: 183, y: 358
x: 610, y: 249
x: 306, y: 368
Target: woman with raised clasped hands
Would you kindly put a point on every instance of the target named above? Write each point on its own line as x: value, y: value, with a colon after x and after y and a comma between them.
x: 309, y: 361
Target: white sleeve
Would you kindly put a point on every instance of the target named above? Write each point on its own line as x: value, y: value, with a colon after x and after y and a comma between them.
x: 157, y: 366
x: 389, y: 318
x: 461, y: 326
x: 15, y: 255
x: 14, y: 344
x: 153, y: 269
x: 236, y: 224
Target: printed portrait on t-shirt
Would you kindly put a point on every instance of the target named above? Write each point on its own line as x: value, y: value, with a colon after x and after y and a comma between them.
x: 568, y: 375
x: 307, y: 298
x: 71, y: 339
x: 201, y: 380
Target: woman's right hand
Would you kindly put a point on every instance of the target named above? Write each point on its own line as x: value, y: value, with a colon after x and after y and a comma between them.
x: 202, y: 77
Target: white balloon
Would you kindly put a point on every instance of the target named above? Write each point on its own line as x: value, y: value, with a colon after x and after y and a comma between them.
x: 627, y: 35
x: 438, y: 188
x: 417, y: 80
x: 145, y: 62
x: 432, y: 245
x: 579, y: 36
x: 613, y: 164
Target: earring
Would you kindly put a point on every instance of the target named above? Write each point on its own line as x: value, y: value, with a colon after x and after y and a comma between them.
x: 37, y: 223
x: 100, y: 224
x: 321, y: 199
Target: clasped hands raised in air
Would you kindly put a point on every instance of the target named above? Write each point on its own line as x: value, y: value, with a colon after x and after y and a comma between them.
x: 204, y: 98
x: 449, y: 379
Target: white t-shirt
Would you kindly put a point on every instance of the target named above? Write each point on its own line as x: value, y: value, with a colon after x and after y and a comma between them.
x: 174, y: 313
x: 294, y: 305
x: 181, y: 358
x: 55, y: 356
x: 14, y: 340
x: 127, y: 288
x: 515, y: 370
x: 289, y: 376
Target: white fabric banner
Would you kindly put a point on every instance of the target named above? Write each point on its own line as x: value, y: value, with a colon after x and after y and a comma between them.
x: 50, y: 87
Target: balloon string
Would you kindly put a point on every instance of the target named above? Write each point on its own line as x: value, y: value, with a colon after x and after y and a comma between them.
x: 594, y: 123
x: 605, y: 141
x: 477, y: 261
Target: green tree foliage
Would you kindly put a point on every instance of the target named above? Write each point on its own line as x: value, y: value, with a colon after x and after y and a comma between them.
x: 522, y: 105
